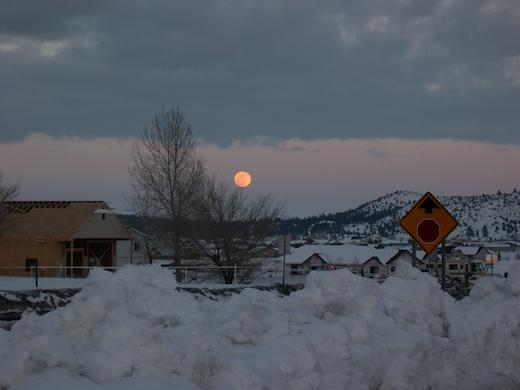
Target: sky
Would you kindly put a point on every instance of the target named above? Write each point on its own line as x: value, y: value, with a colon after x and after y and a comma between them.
x: 328, y: 104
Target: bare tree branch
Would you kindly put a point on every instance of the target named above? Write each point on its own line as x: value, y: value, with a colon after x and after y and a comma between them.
x: 8, y: 192
x: 230, y: 228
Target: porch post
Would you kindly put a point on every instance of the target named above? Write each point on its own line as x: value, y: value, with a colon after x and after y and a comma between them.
x: 131, y: 251
x: 114, y: 254
x: 71, y: 257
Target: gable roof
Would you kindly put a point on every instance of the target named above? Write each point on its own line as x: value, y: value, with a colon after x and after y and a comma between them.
x: 55, y: 220
x: 338, y: 254
x: 469, y: 250
x: 404, y: 252
x: 373, y: 258
x: 314, y: 255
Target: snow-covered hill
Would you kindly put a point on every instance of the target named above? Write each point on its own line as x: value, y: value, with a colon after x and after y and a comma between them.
x: 480, y: 217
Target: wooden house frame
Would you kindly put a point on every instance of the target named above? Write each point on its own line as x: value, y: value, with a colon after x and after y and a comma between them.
x: 64, y: 238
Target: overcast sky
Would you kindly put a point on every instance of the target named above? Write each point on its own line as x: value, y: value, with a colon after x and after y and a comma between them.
x: 264, y: 73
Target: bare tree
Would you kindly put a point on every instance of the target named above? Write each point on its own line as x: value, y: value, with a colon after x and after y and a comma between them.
x: 8, y: 191
x: 166, y: 170
x: 142, y: 207
x: 230, y: 227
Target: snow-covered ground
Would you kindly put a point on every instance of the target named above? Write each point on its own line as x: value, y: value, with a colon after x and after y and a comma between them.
x: 132, y: 330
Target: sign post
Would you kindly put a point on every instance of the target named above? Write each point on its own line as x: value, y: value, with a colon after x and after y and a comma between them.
x: 429, y: 223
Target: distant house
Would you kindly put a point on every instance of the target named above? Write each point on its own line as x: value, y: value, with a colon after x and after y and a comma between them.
x: 330, y: 257
x: 264, y: 252
x: 403, y: 255
x: 312, y: 263
x: 373, y: 268
x: 137, y: 251
x: 460, y: 261
x: 61, y: 237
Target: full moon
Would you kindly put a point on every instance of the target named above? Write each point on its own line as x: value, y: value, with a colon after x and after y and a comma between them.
x: 242, y: 179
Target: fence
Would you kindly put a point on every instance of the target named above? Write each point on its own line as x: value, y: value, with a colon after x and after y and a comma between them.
x: 196, y: 274
x: 188, y: 274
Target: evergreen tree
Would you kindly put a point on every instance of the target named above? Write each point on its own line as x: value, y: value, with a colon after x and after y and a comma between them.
x: 485, y: 232
x: 469, y: 232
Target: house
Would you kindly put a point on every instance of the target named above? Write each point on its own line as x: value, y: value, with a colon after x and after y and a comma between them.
x: 468, y: 256
x: 330, y: 257
x: 137, y: 251
x: 265, y: 252
x: 403, y: 255
x: 312, y: 263
x: 373, y: 268
x: 461, y: 261
x: 61, y: 238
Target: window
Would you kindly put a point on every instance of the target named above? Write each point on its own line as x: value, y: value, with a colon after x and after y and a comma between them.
x: 392, y: 268
x: 103, y: 216
x: 374, y: 269
x: 453, y: 267
x: 30, y: 264
x: 136, y: 246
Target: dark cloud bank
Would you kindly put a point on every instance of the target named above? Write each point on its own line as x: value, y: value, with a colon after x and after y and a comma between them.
x: 278, y: 69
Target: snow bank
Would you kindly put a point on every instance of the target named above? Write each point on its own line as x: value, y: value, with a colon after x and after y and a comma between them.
x: 132, y: 330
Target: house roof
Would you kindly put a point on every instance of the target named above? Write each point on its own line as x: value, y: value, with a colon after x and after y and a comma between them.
x: 468, y: 250
x: 338, y: 254
x: 373, y: 258
x: 400, y: 254
x: 55, y: 220
x: 317, y: 255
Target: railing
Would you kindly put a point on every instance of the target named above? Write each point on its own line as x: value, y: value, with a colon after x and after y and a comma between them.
x: 266, y: 275
x: 188, y: 274
x: 49, y: 272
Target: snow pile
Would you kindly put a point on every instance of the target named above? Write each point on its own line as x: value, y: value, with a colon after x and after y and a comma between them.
x: 132, y: 330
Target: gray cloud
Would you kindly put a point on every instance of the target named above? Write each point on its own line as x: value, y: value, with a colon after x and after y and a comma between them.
x: 279, y: 69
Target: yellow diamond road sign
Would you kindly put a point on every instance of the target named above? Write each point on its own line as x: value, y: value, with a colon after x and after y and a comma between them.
x: 428, y: 222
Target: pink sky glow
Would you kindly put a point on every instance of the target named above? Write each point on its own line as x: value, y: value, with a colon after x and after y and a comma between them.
x: 311, y: 177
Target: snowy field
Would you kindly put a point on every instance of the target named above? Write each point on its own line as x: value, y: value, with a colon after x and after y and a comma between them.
x: 132, y: 330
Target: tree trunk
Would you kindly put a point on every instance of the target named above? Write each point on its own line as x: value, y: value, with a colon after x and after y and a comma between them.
x: 179, y: 274
x: 228, y: 276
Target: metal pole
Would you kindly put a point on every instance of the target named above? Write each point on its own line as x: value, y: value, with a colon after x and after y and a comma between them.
x: 414, y: 252
x: 131, y: 251
x: 36, y: 273
x: 235, y: 273
x: 443, y: 273
x: 283, y: 262
x: 436, y: 263
x: 71, y: 257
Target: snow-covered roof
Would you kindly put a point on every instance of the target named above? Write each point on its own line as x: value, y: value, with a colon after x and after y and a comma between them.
x: 394, y: 242
x: 497, y: 245
x: 340, y: 254
x: 468, y: 250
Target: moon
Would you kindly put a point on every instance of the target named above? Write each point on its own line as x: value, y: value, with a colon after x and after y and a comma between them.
x: 242, y: 179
